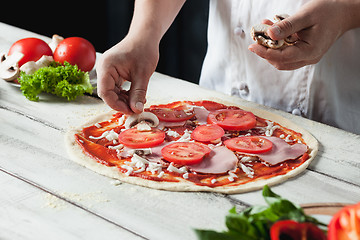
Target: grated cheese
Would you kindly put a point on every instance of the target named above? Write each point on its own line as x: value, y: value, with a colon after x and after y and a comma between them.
x: 154, y: 167
x: 121, y: 120
x: 172, y: 133
x: 247, y: 170
x: 161, y: 174
x: 186, y: 137
x: 248, y: 158
x: 104, y: 134
x: 117, y: 147
x: 185, y: 175
x: 172, y: 168
x: 287, y: 139
x: 112, y: 135
x: 128, y: 168
x: 270, y: 128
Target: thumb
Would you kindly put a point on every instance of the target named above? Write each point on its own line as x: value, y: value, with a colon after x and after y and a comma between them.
x: 288, y: 26
x: 137, y: 94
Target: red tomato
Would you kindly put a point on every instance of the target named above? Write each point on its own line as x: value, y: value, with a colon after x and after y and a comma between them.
x: 207, y: 133
x: 171, y: 115
x: 134, y: 138
x: 250, y: 144
x: 211, y: 106
x: 233, y: 119
x: 345, y: 224
x: 32, y: 48
x: 185, y: 153
x: 289, y: 229
x: 76, y: 51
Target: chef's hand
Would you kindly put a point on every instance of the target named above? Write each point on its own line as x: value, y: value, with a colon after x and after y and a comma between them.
x: 318, y: 24
x: 133, y: 60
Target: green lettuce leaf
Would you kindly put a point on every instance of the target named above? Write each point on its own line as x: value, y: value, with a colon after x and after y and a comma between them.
x: 66, y: 81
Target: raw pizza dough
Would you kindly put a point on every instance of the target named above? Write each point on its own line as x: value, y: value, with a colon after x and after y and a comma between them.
x: 77, y: 155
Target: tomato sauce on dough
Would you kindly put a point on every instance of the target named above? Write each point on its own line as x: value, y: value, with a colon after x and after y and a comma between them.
x: 96, y: 145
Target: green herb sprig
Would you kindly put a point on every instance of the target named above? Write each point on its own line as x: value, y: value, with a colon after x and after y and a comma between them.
x: 65, y: 80
x: 254, y: 223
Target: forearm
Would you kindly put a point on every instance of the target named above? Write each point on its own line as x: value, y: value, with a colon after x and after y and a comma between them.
x: 351, y: 13
x: 152, y: 18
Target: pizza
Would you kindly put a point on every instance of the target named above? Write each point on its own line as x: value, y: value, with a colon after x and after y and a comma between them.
x: 193, y: 146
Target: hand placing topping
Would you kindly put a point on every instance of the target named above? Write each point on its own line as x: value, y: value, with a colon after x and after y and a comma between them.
x: 260, y: 35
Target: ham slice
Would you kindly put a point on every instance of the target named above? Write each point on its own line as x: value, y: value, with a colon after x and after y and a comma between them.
x: 163, y: 124
x: 201, y: 115
x: 281, y: 151
x: 220, y: 160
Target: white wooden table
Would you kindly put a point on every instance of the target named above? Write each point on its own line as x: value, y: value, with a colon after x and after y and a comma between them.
x: 44, y: 195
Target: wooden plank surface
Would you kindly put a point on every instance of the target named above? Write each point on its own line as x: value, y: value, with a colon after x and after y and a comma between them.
x: 28, y: 212
x: 41, y: 188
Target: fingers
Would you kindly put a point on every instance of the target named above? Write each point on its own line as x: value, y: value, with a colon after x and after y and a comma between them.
x: 288, y: 58
x: 289, y: 26
x: 137, y: 93
x: 110, y: 90
x: 267, y: 21
x: 112, y: 94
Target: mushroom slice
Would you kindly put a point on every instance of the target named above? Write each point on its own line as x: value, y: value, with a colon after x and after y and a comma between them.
x: 31, y: 66
x: 56, y: 39
x: 259, y: 34
x: 9, y: 67
x: 147, y: 117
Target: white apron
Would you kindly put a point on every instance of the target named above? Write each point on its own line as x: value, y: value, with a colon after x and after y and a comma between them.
x: 328, y: 91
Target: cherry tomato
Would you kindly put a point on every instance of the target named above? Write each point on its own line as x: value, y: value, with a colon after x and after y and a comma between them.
x: 289, y: 229
x: 345, y: 224
x: 134, y: 138
x: 207, y: 133
x: 185, y: 153
x: 171, y: 115
x: 250, y: 144
x: 232, y: 119
x: 76, y: 51
x: 32, y: 48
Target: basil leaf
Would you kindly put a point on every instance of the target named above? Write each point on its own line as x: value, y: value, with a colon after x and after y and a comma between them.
x: 212, y: 235
x: 255, y: 222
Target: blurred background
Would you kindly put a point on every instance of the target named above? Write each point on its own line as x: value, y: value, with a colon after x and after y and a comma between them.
x: 104, y: 23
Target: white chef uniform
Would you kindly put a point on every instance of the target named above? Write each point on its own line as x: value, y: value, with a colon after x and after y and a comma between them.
x: 328, y: 91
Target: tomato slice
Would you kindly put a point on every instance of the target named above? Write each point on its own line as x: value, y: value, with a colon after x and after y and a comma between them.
x: 185, y: 153
x: 211, y: 106
x: 289, y: 229
x: 233, y: 119
x: 250, y: 144
x: 207, y: 133
x: 171, y: 115
x: 134, y: 138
